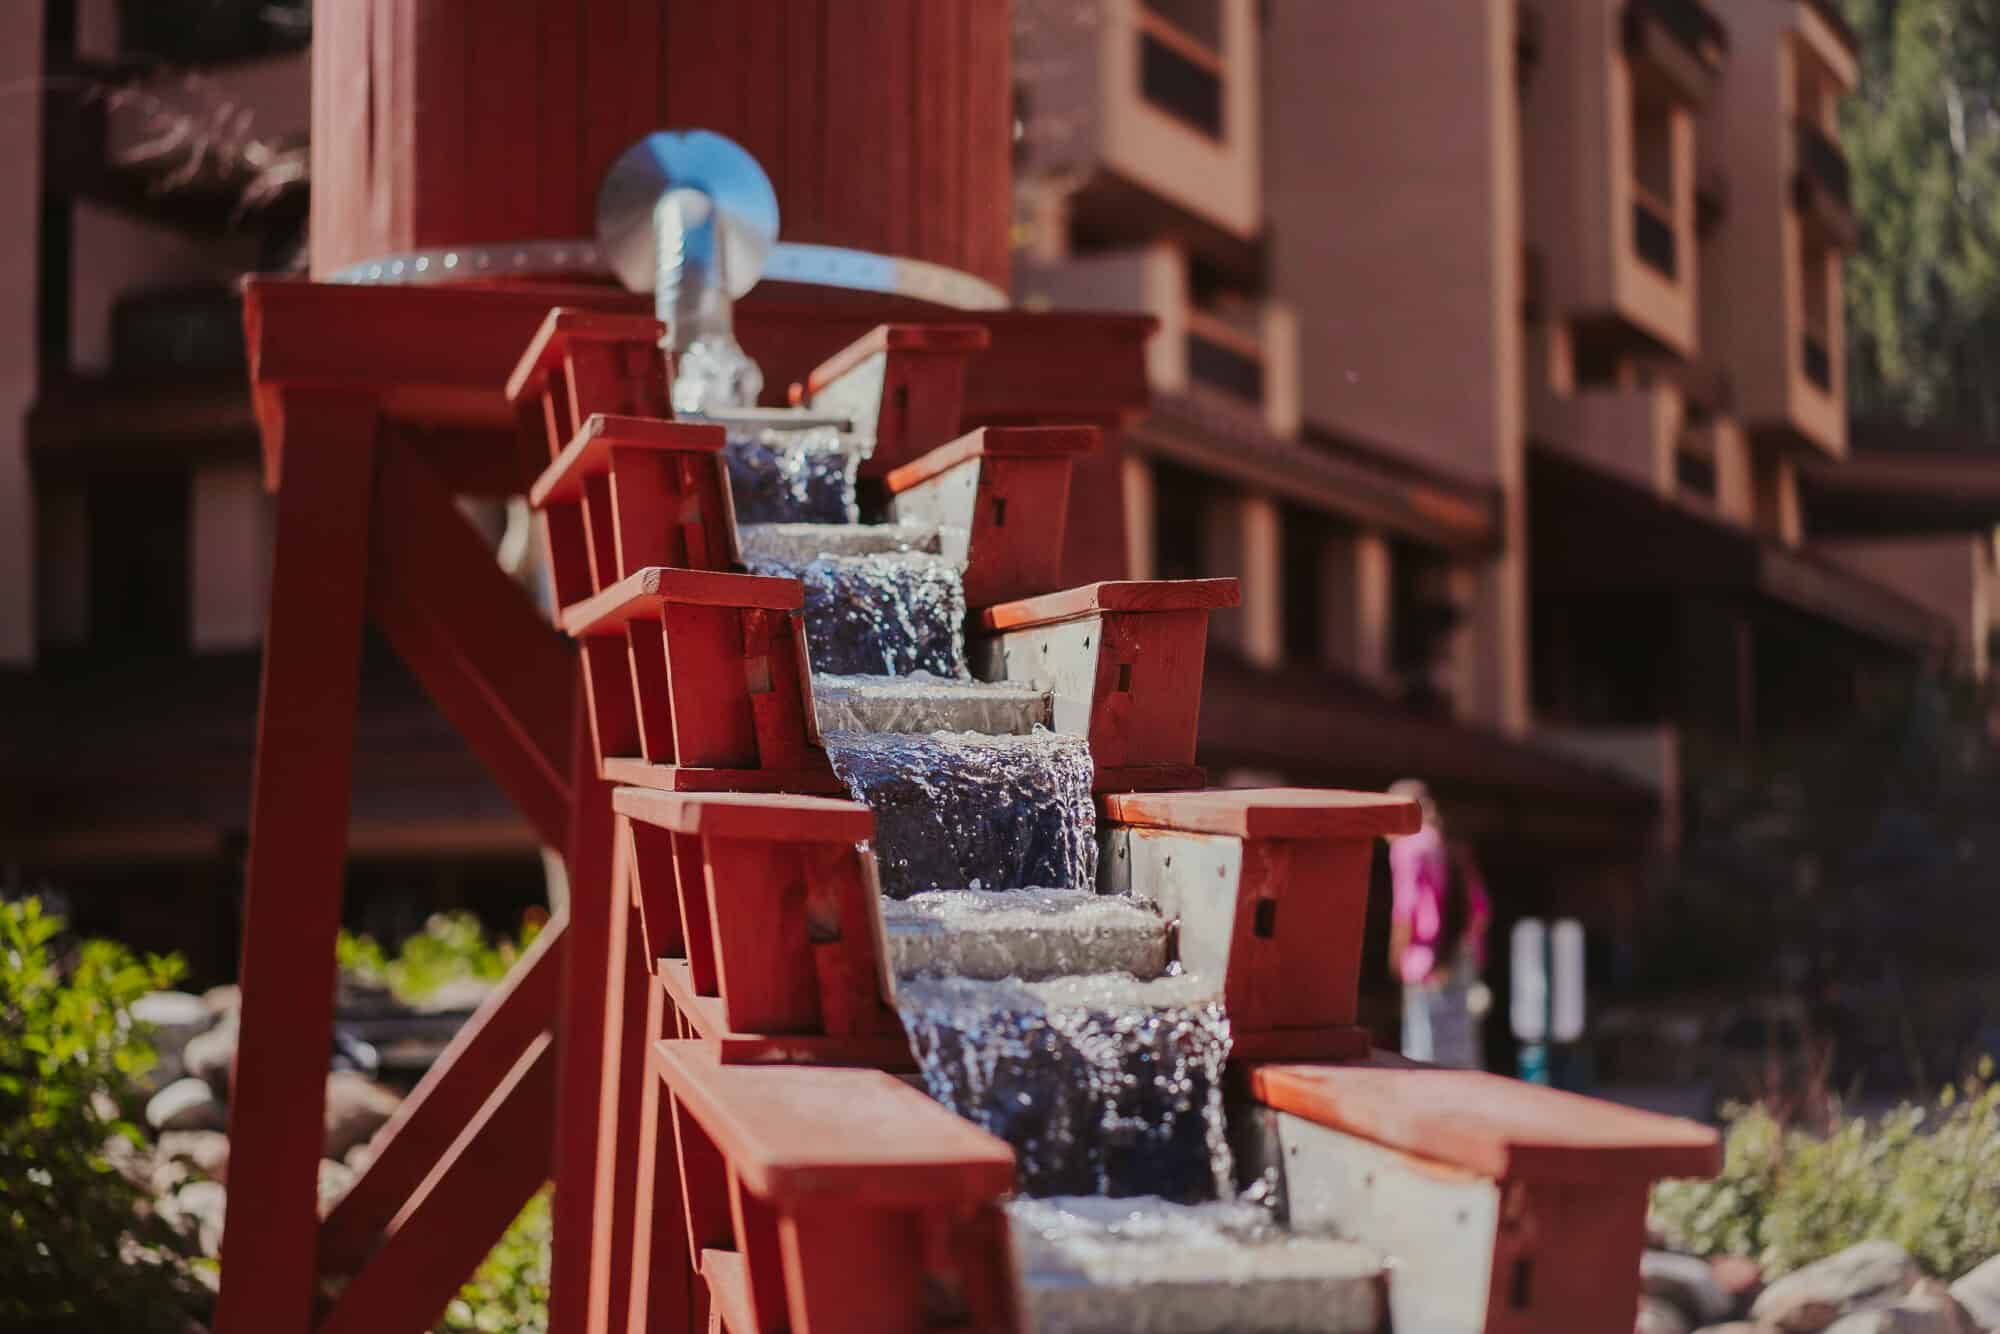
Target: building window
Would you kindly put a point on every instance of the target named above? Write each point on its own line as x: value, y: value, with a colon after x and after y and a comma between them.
x: 1179, y: 515
x: 1694, y: 471
x: 137, y: 567
x: 1180, y: 61
x: 1815, y: 351
x: 1305, y: 536
x: 1224, y: 358
x: 1653, y: 180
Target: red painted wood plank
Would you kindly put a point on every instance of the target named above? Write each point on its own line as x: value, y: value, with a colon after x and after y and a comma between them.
x: 804, y: 160
x: 608, y: 64
x: 758, y: 119
x: 567, y: 199
x: 938, y: 119
x: 298, y: 843
x: 1496, y: 1127
x: 989, y: 97
x: 1113, y: 595
x: 1268, y: 812
x: 728, y: 1283
x: 622, y: 1082
x: 662, y: 1291
x: 819, y: 777
x: 643, y: 592
x: 804, y: 1132
x: 448, y: 124
x: 581, y: 1037
x: 763, y: 959
x: 998, y: 441
x: 561, y: 326
x: 776, y: 816
x: 452, y: 1092
x: 589, y: 451
x: 498, y: 1161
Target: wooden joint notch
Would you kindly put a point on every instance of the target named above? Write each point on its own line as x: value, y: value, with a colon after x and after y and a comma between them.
x: 904, y: 384
x: 1512, y: 1207
x: 833, y: 1200
x: 772, y: 912
x: 1270, y: 890
x: 583, y: 362
x: 1000, y: 495
x: 630, y: 492
x: 700, y: 670
x: 1122, y: 662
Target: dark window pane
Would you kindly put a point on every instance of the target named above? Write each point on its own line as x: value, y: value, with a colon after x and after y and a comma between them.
x: 1221, y: 367
x: 1653, y: 238
x: 1179, y: 87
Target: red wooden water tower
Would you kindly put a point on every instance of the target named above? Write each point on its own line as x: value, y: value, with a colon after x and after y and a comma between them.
x: 458, y: 148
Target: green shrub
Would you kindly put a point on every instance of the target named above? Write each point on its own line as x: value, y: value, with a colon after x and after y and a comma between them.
x: 510, y: 1291
x: 80, y: 1248
x: 1925, y: 1178
x: 450, y: 948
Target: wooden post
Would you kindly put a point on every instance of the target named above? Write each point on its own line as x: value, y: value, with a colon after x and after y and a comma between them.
x: 297, y: 859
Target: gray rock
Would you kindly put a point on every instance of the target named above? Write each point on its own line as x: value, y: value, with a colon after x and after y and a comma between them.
x: 1688, y: 1283
x: 356, y: 1107
x: 1659, y: 1316
x: 206, y: 1150
x: 186, y: 1104
x: 1928, y: 1309
x: 174, y: 1017
x: 1867, y: 1277
x: 196, y: 1208
x: 1738, y: 1327
x: 1979, y: 1293
x: 334, y: 1179
x: 223, y: 1000
x: 209, y: 1056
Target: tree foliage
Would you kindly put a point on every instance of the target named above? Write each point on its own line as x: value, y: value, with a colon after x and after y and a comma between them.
x: 1923, y: 139
x: 80, y: 1246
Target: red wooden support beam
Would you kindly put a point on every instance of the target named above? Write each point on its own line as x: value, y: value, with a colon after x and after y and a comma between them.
x: 580, y: 1297
x: 492, y: 665
x: 298, y: 844
x: 498, y: 1161
x: 662, y: 1290
x: 510, y: 1021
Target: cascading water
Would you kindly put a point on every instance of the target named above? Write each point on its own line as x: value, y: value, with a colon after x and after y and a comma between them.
x: 962, y: 811
x: 1104, y: 1084
x: 1038, y: 1008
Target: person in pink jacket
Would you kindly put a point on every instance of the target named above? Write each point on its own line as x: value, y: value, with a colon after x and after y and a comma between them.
x: 1437, y: 939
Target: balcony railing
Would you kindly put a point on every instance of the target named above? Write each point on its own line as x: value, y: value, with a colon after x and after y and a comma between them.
x: 1822, y: 162
x: 1653, y: 237
x: 1817, y: 361
x: 1224, y: 358
x: 1180, y: 75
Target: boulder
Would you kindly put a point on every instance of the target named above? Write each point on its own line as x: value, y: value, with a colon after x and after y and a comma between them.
x: 334, y: 1179
x: 1979, y: 1293
x: 206, y: 1150
x: 356, y: 1107
x: 1867, y: 1277
x: 224, y: 1000
x: 186, y: 1104
x: 1740, y: 1277
x: 1739, y: 1327
x: 1657, y: 1316
x: 209, y: 1056
x: 1686, y: 1282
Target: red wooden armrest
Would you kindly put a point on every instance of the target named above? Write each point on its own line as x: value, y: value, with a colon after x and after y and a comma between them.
x: 856, y: 1203
x: 629, y: 492
x: 699, y: 670
x: 1122, y: 662
x: 1000, y: 496
x: 1270, y: 887
x: 1130, y: 595
x: 1499, y: 1128
x: 583, y: 362
x: 1269, y: 812
x: 566, y: 327
x: 776, y: 912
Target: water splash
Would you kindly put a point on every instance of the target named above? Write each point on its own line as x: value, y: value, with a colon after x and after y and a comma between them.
x: 1149, y: 1266
x: 1103, y: 1084
x: 957, y: 810
x: 921, y: 702
x: 803, y: 476
x: 883, y: 614
x: 1024, y: 934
